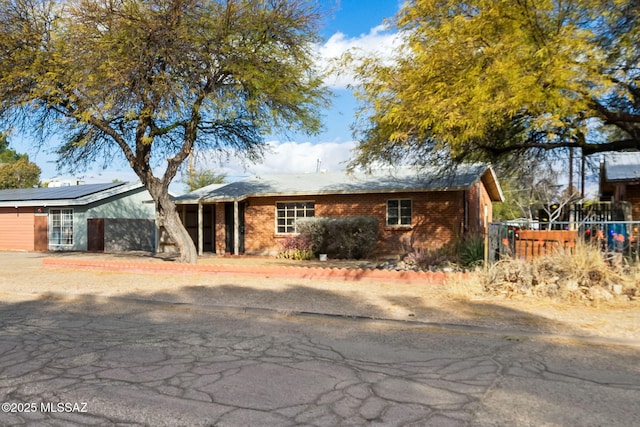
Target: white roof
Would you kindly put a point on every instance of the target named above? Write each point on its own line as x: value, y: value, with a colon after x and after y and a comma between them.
x: 404, y: 180
x: 622, y: 166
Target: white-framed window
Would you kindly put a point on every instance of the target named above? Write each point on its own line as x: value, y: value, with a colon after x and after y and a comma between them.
x: 399, y: 212
x: 61, y: 227
x: 288, y: 212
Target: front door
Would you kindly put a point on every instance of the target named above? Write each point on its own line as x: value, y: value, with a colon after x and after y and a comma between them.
x: 208, y: 228
x: 230, y: 226
x: 41, y: 232
x: 95, y: 235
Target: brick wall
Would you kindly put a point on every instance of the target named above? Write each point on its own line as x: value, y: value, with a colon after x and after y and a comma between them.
x: 437, y: 219
x: 478, y: 198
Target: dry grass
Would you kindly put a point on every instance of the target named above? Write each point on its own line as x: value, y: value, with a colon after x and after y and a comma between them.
x: 583, y: 274
x: 466, y: 289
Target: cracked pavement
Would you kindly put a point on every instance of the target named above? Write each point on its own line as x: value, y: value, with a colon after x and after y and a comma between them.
x: 165, y: 364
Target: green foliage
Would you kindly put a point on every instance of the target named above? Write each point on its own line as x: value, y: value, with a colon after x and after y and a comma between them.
x: 470, y: 251
x: 19, y: 174
x: 348, y: 237
x: 201, y: 178
x: 478, y: 79
x: 7, y: 155
x: 16, y: 171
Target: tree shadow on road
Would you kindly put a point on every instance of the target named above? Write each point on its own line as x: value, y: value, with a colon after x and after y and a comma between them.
x: 109, y: 349
x: 298, y: 297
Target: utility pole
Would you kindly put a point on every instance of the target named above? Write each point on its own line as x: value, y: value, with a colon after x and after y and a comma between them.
x: 191, y: 183
x: 582, y: 167
x: 570, y: 170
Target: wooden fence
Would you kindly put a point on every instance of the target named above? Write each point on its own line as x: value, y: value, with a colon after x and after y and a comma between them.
x: 534, y: 243
x: 531, y: 240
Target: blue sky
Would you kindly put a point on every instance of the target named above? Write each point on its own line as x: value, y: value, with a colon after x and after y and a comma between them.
x: 349, y: 23
x: 355, y: 20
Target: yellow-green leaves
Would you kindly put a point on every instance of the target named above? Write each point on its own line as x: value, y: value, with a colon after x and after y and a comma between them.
x: 470, y: 69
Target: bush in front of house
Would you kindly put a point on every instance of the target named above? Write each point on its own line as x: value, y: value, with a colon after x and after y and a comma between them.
x: 296, y: 247
x: 465, y: 253
x: 425, y: 259
x: 470, y: 251
x: 353, y: 237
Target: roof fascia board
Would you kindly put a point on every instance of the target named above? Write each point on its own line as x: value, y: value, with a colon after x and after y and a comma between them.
x: 634, y: 180
x: 493, y: 185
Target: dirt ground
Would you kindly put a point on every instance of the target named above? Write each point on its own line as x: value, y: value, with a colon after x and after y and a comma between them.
x: 22, y: 277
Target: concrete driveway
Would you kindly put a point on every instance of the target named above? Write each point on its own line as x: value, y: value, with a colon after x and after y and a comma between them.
x: 84, y: 360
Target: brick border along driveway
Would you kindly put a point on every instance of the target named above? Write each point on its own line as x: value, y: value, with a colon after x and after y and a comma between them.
x: 348, y: 274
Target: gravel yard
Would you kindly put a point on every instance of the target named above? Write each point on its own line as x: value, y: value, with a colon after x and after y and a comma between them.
x: 23, y: 277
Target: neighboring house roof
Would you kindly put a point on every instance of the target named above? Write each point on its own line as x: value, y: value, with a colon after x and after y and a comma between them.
x: 74, y: 195
x: 405, y: 180
x: 622, y: 167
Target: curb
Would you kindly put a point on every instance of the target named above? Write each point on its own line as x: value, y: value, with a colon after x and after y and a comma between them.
x: 411, y: 324
x: 314, y: 273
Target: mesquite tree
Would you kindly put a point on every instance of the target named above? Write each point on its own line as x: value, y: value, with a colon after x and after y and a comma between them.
x: 488, y: 79
x: 154, y: 79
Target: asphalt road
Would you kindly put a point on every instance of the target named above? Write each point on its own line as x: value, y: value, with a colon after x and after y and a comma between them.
x: 109, y: 361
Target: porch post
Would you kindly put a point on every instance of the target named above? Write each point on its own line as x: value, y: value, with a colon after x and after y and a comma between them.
x: 236, y: 228
x: 200, y: 238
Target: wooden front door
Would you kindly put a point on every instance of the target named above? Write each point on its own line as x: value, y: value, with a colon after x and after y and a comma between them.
x: 95, y: 234
x: 41, y: 232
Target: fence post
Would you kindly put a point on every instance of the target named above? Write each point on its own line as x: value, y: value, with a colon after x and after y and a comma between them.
x: 486, y: 236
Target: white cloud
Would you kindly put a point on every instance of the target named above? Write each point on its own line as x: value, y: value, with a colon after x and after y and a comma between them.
x: 94, y: 176
x: 379, y: 41
x: 284, y: 157
x: 280, y: 157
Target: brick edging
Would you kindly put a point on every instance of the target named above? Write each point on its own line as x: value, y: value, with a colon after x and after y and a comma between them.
x: 348, y: 274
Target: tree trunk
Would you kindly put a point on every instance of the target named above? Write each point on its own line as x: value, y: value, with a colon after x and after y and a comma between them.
x: 168, y: 218
x: 179, y: 235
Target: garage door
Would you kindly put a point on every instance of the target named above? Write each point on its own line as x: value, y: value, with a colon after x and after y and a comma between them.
x: 16, y: 229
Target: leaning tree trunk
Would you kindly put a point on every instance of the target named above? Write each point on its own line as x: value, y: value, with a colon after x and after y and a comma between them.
x: 168, y: 218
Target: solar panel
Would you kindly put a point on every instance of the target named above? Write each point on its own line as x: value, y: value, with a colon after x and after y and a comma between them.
x: 55, y: 193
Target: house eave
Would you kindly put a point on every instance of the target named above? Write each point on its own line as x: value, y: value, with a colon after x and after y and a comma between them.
x: 243, y: 197
x: 490, y: 181
x: 336, y: 184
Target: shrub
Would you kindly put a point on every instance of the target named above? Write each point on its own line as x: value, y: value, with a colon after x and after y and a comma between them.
x: 426, y: 258
x: 349, y: 237
x: 471, y: 251
x: 296, y: 247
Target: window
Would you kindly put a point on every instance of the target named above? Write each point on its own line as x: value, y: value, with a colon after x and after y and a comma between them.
x: 61, y: 227
x: 399, y: 212
x: 288, y: 213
